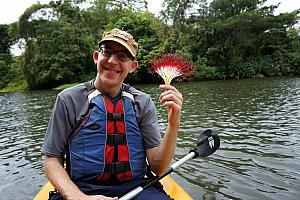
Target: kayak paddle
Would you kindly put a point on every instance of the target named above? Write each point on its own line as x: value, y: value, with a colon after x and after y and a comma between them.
x: 208, y: 142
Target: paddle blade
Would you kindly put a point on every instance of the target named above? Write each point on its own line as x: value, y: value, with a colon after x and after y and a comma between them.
x: 208, y: 142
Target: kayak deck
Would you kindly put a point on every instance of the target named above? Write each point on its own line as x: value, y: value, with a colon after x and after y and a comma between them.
x: 174, y: 190
x: 170, y: 186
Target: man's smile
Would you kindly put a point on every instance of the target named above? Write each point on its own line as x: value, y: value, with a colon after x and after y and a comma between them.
x: 111, y: 70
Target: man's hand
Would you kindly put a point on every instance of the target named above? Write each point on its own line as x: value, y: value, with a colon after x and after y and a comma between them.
x: 98, y: 197
x: 59, y: 178
x: 173, y: 99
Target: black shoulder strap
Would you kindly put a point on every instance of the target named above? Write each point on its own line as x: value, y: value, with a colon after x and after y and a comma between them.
x: 90, y: 86
x: 126, y: 88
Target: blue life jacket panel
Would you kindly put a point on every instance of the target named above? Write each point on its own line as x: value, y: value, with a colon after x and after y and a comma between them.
x: 108, y: 143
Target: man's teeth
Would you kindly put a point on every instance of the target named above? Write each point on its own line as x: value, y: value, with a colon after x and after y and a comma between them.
x: 112, y: 70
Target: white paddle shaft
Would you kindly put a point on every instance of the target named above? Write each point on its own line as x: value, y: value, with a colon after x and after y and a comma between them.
x: 131, y: 194
x: 137, y: 190
x: 183, y: 160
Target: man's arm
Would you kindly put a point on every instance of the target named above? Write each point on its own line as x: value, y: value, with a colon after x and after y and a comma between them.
x: 160, y: 157
x: 60, y: 179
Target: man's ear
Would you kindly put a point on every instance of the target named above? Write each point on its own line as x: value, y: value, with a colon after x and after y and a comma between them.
x: 96, y: 56
x: 134, y: 65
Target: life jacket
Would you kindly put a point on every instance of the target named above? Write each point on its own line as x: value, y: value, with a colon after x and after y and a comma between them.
x: 107, y: 144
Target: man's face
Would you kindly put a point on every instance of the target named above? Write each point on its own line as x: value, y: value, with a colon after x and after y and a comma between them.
x: 114, y: 63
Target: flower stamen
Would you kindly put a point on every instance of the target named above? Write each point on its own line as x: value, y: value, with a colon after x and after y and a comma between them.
x: 170, y: 66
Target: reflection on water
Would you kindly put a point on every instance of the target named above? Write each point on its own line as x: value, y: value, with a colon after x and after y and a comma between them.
x: 258, y: 122
x: 23, y: 122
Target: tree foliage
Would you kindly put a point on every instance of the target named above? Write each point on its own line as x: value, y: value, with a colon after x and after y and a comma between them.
x: 5, y: 55
x: 242, y: 40
x: 57, y: 51
x: 225, y: 39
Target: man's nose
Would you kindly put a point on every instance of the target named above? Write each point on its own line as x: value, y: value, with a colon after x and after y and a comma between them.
x: 113, y: 58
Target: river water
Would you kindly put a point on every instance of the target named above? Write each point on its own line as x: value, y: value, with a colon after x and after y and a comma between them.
x: 258, y: 121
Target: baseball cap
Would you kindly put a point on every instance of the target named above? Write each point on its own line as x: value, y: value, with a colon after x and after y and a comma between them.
x: 121, y: 37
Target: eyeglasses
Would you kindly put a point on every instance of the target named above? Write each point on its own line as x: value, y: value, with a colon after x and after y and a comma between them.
x: 121, y: 55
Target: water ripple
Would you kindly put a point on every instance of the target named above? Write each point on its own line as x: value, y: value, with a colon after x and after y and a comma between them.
x: 258, y: 122
x: 23, y: 121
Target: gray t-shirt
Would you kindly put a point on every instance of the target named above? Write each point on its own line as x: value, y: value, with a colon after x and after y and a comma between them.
x: 73, y: 102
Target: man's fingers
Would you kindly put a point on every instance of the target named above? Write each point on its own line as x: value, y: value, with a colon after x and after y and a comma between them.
x: 171, y: 95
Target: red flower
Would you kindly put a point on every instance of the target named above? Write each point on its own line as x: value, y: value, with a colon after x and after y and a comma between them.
x: 170, y: 66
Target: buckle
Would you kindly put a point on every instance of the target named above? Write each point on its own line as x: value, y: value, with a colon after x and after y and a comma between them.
x: 117, y: 167
x: 115, y: 116
x: 116, y: 139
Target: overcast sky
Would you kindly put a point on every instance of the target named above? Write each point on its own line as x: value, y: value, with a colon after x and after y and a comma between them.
x: 11, y: 10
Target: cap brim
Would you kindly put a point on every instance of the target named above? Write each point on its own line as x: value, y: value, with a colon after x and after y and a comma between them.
x: 120, y: 41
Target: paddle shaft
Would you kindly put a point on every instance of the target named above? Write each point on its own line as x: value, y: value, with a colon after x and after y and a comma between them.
x: 155, y: 179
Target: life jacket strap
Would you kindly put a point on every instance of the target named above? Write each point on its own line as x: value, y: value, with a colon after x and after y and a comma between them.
x: 115, y: 116
x: 116, y: 139
x: 117, y: 167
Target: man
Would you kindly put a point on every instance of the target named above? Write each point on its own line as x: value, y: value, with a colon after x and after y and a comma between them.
x: 108, y: 129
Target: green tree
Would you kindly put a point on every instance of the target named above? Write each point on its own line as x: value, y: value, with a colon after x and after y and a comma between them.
x: 5, y: 55
x: 242, y: 39
x: 225, y: 39
x: 57, y: 51
x: 59, y: 55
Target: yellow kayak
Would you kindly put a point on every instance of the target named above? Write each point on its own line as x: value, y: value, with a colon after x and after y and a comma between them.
x: 170, y: 186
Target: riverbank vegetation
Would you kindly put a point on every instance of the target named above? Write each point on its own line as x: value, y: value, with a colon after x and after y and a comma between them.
x: 224, y: 39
